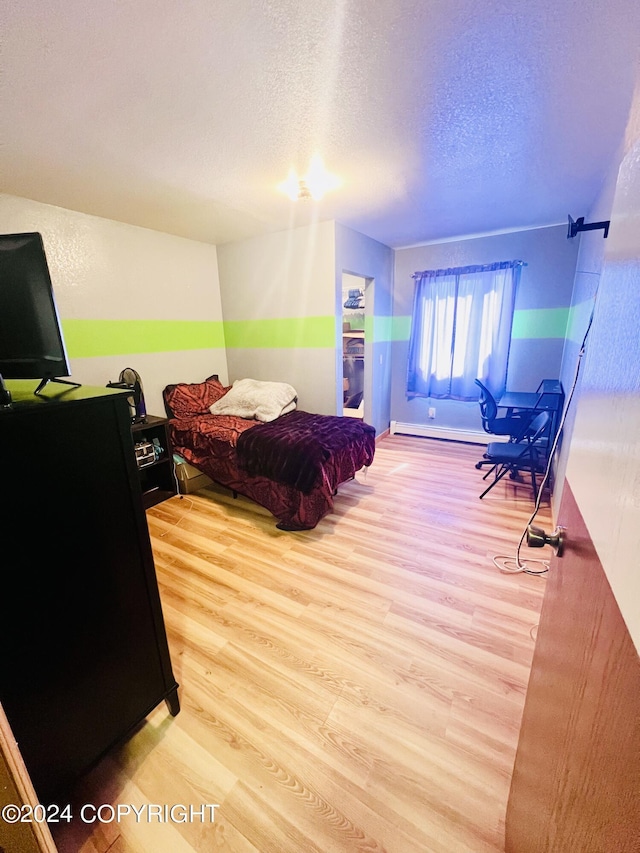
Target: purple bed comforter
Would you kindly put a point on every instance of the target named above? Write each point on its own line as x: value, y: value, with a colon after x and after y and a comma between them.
x: 294, y: 448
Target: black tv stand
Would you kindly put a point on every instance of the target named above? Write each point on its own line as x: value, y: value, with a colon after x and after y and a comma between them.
x: 5, y: 395
x: 84, y: 656
x: 53, y: 379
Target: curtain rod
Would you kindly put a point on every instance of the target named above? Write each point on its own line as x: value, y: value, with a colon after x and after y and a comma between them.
x: 499, y: 265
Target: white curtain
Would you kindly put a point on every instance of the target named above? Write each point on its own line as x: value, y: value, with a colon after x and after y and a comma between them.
x: 461, y: 330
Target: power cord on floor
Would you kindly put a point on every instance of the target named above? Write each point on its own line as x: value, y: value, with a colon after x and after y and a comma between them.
x: 184, y: 515
x: 514, y: 565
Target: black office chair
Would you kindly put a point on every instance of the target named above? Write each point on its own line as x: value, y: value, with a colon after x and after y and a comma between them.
x: 513, y: 424
x: 530, y: 454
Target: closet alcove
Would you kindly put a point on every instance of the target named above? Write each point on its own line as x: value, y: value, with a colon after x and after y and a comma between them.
x: 353, y: 339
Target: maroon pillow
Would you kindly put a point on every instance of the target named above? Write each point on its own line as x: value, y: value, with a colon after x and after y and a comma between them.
x: 187, y: 399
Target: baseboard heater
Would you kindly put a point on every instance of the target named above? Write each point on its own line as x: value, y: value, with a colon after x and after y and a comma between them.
x: 447, y: 433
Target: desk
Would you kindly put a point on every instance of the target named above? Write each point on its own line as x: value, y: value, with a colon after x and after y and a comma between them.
x: 549, y: 396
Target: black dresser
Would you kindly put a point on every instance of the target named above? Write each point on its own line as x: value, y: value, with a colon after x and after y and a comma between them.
x: 84, y: 655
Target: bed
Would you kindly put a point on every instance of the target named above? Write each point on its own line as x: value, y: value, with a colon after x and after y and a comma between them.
x: 287, y: 460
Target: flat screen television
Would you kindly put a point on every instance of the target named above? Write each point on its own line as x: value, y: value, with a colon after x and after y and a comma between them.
x: 31, y: 342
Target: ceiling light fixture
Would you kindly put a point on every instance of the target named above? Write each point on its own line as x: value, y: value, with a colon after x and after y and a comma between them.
x: 313, y: 185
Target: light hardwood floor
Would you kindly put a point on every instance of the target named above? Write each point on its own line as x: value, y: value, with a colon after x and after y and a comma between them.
x: 358, y: 687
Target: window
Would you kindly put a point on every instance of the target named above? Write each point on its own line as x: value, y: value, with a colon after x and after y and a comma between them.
x: 461, y: 330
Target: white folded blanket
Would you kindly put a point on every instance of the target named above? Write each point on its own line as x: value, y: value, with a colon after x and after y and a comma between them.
x: 254, y: 399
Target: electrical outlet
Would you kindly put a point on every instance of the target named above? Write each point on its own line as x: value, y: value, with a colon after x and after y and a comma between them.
x: 432, y: 412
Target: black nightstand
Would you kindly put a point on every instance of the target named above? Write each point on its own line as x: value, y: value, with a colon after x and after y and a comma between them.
x: 157, y: 477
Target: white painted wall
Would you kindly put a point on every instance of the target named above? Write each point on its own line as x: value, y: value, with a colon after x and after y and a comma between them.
x: 106, y: 270
x: 288, y: 275
x: 603, y: 464
x: 591, y: 249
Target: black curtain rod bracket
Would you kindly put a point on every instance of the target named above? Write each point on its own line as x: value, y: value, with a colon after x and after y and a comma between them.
x: 578, y: 225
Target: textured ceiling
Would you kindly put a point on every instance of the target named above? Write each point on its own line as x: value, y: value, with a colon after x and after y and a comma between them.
x: 444, y: 118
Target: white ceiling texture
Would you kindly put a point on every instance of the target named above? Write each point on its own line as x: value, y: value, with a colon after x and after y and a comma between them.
x: 443, y: 118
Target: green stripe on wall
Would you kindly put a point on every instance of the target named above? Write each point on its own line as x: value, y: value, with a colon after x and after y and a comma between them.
x: 540, y: 323
x: 90, y: 338
x: 530, y: 323
x: 379, y: 330
x: 389, y: 328
x: 400, y: 328
x: 281, y: 333
x: 579, y: 316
